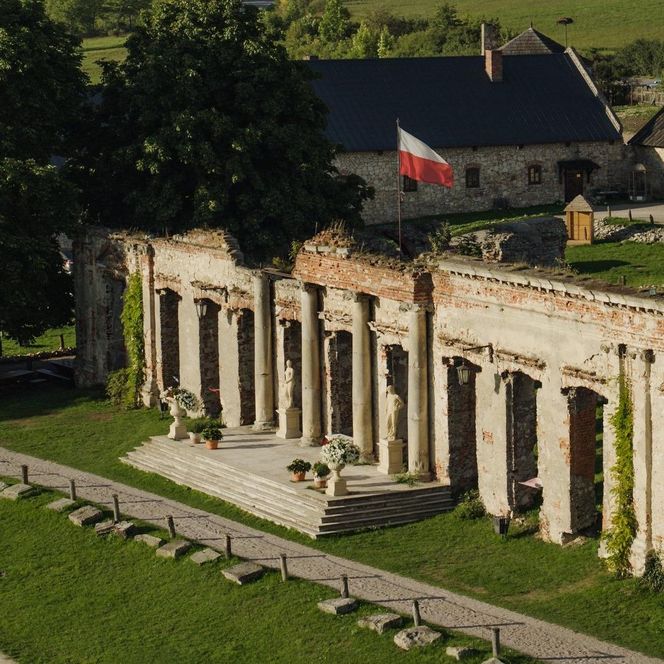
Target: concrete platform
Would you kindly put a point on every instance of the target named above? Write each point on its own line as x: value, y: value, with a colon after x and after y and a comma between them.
x: 249, y: 470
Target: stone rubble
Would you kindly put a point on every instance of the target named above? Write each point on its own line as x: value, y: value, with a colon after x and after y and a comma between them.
x: 151, y: 540
x: 60, y: 505
x: 205, y: 556
x: 244, y: 573
x: 381, y: 622
x: 416, y: 637
x: 86, y: 516
x: 174, y: 549
x: 338, y: 606
x: 18, y: 491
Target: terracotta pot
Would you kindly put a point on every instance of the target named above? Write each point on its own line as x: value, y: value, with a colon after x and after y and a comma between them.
x: 212, y: 444
x: 297, y: 477
x: 320, y: 482
x: 194, y: 438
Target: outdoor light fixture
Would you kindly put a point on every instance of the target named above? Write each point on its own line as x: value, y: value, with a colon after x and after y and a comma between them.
x: 201, y: 307
x: 463, y: 373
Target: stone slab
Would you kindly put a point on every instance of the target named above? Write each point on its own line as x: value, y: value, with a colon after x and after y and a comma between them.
x: 18, y: 491
x: 86, y: 516
x: 460, y: 652
x: 205, y: 556
x: 104, y: 527
x: 60, y: 505
x: 381, y: 622
x: 124, y: 529
x: 416, y: 637
x: 244, y: 573
x: 338, y: 606
x: 174, y: 549
x: 151, y: 540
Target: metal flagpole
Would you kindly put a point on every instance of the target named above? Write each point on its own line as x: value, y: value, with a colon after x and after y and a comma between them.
x: 399, y: 186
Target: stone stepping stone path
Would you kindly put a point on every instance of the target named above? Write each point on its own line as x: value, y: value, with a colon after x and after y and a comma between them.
x: 86, y: 516
x: 381, y: 622
x: 60, y: 505
x: 151, y: 540
x: 416, y: 637
x: 460, y: 652
x: 174, y: 549
x: 338, y: 606
x: 18, y: 491
x: 244, y: 573
x: 205, y: 556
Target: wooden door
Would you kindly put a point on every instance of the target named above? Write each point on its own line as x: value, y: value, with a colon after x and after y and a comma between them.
x: 573, y: 184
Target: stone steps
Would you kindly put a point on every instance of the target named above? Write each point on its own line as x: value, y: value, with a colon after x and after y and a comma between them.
x: 280, y: 503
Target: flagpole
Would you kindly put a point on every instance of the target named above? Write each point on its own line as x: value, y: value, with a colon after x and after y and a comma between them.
x: 399, y: 186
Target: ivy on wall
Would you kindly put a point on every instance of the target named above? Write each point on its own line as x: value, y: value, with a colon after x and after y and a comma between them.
x: 124, y: 385
x: 621, y: 535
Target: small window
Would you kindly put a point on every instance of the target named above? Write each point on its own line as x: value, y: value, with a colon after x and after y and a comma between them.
x: 409, y: 184
x: 472, y: 178
x: 534, y: 174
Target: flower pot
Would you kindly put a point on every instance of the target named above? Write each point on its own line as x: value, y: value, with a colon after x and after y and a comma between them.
x: 320, y: 482
x: 211, y: 444
x: 194, y: 438
x: 298, y: 477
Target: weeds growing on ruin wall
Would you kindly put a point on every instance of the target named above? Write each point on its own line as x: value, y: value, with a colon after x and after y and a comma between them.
x: 124, y: 385
x: 620, y: 536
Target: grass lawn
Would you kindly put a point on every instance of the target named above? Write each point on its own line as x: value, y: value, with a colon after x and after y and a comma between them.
x: 604, y: 24
x: 568, y: 586
x: 101, y: 48
x: 50, y: 340
x: 634, y: 117
x: 641, y: 264
x: 69, y: 596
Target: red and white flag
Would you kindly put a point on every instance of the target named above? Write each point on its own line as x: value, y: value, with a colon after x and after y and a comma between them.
x: 419, y: 162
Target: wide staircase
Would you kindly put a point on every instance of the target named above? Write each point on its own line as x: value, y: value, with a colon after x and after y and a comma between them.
x: 293, y: 506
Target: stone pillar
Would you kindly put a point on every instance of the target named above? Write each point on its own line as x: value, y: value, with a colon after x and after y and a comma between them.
x: 311, y: 405
x: 418, y: 392
x: 643, y: 458
x: 362, y: 413
x: 190, y: 349
x: 150, y: 390
x: 264, y: 391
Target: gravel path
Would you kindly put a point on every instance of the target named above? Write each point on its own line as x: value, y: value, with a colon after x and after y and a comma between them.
x: 438, y: 606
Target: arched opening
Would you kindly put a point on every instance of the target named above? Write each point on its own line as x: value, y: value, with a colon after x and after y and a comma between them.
x: 245, y: 347
x: 340, y: 382
x: 169, y: 337
x: 208, y: 339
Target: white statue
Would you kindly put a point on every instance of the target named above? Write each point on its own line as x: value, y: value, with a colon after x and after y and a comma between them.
x: 393, y: 407
x: 289, y: 383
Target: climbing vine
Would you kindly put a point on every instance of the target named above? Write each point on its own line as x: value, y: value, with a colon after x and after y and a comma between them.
x: 124, y: 386
x: 620, y: 536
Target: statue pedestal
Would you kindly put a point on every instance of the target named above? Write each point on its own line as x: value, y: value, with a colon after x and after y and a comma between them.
x: 390, y: 456
x: 289, y: 423
x: 178, y: 431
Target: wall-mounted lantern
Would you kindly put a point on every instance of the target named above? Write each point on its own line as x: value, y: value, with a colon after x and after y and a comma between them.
x: 201, y: 307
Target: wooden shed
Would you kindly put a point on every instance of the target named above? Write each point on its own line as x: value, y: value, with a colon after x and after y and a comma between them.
x: 579, y: 217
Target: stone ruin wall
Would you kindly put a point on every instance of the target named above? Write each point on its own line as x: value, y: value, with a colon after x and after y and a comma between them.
x: 503, y: 175
x: 565, y: 337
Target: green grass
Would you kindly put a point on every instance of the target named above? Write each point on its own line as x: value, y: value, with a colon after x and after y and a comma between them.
x: 606, y: 24
x: 568, y: 586
x: 640, y: 264
x: 50, y: 340
x: 634, y: 117
x: 69, y: 596
x: 101, y: 48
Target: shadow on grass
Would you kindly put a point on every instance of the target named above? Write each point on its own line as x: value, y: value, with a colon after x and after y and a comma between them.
x: 590, y: 267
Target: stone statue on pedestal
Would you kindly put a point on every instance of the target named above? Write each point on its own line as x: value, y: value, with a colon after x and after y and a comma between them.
x: 289, y: 383
x: 394, y: 405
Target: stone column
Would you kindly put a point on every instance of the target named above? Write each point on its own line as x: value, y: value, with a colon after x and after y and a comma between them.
x: 362, y: 415
x: 311, y: 430
x: 264, y: 392
x: 643, y: 457
x: 150, y: 390
x: 418, y: 392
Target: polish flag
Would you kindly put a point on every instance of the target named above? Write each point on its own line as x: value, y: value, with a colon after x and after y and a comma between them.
x: 419, y: 162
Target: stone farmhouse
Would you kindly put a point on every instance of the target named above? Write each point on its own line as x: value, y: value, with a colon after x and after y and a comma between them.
x: 522, y: 125
x: 648, y: 149
x: 502, y: 369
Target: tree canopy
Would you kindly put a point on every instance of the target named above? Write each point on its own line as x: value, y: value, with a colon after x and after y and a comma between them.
x: 41, y: 88
x: 208, y: 123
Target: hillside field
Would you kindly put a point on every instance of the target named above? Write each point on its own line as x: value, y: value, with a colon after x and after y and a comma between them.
x: 606, y: 24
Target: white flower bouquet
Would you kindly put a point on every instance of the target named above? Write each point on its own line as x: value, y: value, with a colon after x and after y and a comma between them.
x: 340, y: 450
x: 184, y: 398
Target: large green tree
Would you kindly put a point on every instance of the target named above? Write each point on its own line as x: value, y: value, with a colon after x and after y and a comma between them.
x: 41, y: 91
x: 208, y: 123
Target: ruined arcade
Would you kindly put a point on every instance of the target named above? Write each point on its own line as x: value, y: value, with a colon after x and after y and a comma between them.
x: 502, y: 368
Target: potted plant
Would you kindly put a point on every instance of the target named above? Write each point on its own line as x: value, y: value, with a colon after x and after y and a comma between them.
x: 321, y: 471
x: 337, y: 454
x: 298, y: 469
x: 196, y: 428
x: 211, y: 434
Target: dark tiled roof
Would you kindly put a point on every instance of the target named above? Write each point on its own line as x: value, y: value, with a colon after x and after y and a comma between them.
x: 652, y: 134
x: 450, y: 102
x: 532, y: 42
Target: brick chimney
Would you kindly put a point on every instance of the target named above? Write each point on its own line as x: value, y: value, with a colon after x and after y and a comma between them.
x: 493, y: 64
x: 489, y: 38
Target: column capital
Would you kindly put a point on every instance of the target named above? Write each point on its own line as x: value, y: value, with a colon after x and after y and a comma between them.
x: 414, y: 307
